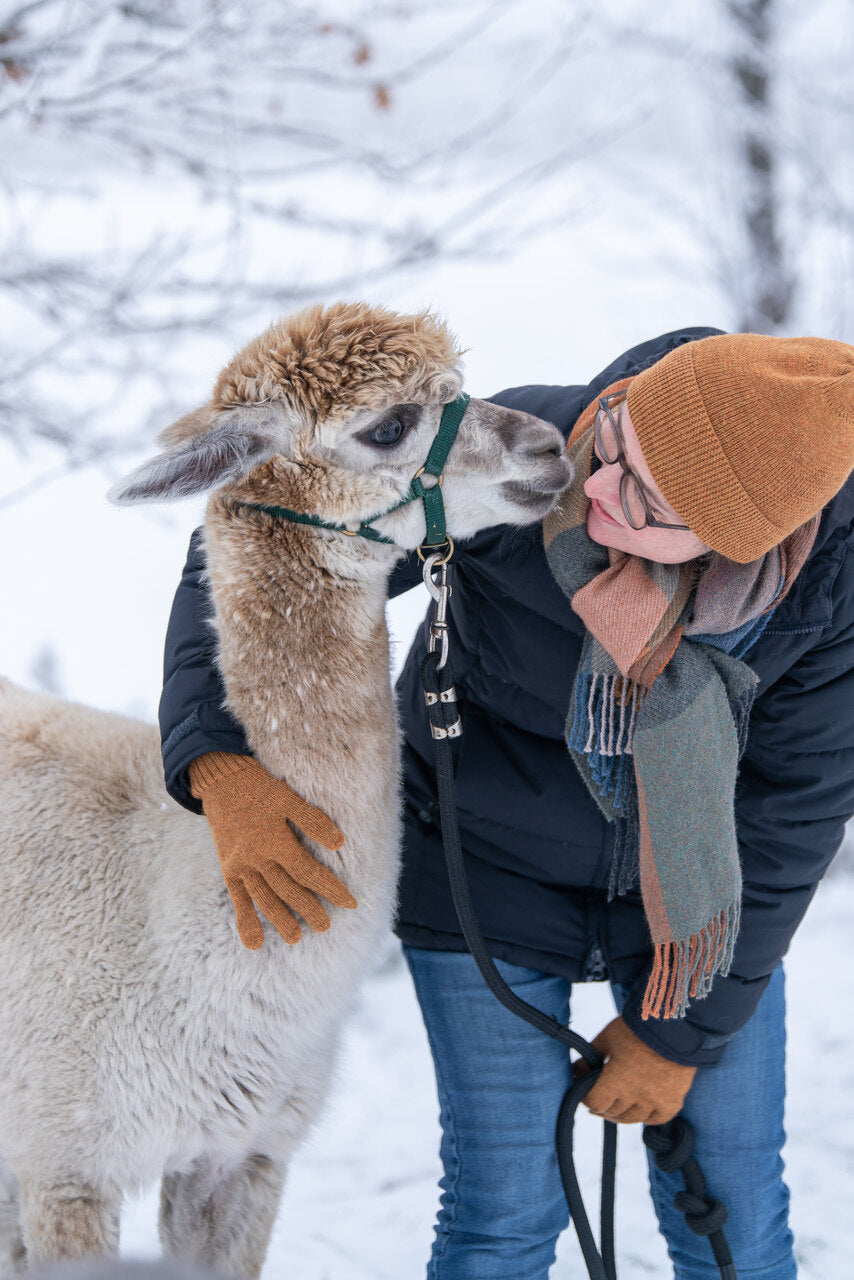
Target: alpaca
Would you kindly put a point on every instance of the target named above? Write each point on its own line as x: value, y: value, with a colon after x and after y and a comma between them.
x: 138, y: 1038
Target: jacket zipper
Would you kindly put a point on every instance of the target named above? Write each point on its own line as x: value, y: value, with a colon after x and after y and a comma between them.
x: 595, y: 969
x: 595, y: 963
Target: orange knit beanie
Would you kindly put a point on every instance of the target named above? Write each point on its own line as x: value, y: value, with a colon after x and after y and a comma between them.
x: 747, y: 436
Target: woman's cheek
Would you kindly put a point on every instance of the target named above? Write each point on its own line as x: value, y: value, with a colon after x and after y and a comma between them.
x: 609, y: 534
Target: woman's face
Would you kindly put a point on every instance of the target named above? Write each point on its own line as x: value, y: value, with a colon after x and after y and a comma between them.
x: 606, y: 520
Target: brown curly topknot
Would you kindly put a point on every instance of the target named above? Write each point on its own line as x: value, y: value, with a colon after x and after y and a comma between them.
x: 332, y: 358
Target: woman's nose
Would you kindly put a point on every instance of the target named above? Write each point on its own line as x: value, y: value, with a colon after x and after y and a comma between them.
x: 604, y: 482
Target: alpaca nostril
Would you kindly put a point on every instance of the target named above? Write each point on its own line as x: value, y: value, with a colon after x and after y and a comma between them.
x: 546, y: 451
x: 551, y: 445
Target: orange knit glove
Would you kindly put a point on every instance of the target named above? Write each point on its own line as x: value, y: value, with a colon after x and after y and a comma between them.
x: 262, y: 859
x: 637, y: 1085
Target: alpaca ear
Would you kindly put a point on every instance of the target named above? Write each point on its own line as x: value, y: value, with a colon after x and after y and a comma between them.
x: 203, y: 450
x: 445, y: 385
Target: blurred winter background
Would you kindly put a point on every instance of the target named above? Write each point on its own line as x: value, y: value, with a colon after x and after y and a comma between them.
x: 561, y: 180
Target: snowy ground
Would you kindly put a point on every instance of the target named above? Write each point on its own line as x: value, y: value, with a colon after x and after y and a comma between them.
x: 362, y: 1195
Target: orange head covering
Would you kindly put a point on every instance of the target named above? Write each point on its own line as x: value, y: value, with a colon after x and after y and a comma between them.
x: 747, y: 436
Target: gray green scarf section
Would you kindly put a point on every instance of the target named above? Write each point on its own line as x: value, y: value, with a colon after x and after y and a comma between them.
x: 657, y: 724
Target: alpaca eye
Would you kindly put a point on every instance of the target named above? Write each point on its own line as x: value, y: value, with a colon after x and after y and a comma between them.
x: 391, y: 429
x: 388, y: 432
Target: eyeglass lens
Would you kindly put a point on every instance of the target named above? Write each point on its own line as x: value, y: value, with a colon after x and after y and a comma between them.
x: 611, y: 450
x: 606, y: 437
x: 632, y: 498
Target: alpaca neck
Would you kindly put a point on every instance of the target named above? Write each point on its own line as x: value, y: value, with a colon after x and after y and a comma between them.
x: 303, y: 645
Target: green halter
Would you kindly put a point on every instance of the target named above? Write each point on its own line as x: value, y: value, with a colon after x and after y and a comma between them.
x: 430, y: 495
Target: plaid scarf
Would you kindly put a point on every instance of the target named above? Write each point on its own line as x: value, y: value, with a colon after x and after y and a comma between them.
x: 658, y: 721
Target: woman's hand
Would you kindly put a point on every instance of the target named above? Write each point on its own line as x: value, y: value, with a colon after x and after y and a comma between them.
x: 637, y: 1085
x: 263, y: 860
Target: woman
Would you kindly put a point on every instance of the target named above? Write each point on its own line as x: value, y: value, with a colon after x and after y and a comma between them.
x: 695, y: 588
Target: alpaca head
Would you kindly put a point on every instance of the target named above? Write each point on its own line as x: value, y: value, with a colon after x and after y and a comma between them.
x: 333, y: 411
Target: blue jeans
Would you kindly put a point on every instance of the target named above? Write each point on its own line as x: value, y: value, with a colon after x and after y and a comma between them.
x: 500, y: 1084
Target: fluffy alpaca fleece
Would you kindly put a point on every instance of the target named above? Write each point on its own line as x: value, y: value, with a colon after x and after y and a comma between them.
x: 138, y: 1038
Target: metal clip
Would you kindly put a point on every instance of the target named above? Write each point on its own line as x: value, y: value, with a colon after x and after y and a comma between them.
x: 441, y: 592
x: 454, y: 730
x: 447, y: 695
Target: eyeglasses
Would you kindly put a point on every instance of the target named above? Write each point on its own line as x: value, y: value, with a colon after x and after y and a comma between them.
x: 611, y: 447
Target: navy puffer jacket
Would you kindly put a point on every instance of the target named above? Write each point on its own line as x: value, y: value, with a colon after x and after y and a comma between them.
x: 536, y: 846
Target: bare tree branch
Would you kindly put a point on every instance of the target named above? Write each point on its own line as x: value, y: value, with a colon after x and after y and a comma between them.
x: 236, y: 129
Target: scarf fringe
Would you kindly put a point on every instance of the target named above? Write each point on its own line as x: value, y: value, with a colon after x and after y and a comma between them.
x: 604, y: 711
x: 685, y: 969
x: 625, y: 868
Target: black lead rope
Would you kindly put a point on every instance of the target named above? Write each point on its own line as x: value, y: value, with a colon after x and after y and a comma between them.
x: 671, y: 1143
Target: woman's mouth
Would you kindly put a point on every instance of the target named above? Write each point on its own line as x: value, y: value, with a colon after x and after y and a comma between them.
x: 600, y: 511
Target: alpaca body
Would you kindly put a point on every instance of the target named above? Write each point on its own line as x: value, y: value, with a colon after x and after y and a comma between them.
x: 113, y: 902
x: 138, y: 1037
